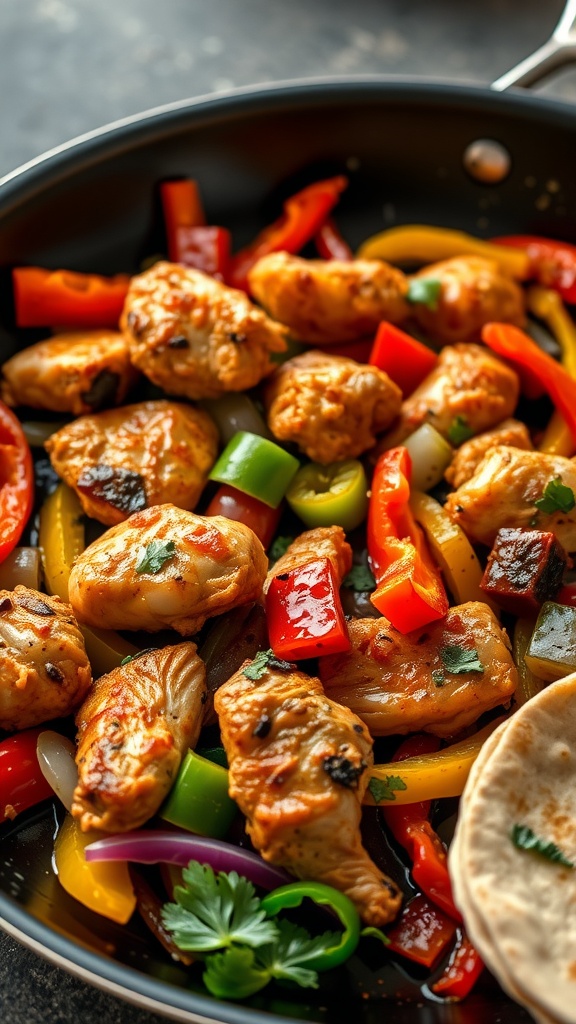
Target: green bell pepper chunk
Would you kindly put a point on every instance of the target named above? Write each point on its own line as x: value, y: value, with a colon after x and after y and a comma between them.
x: 257, y: 467
x: 198, y: 800
x: 551, y: 651
x: 334, y: 495
x: 288, y: 896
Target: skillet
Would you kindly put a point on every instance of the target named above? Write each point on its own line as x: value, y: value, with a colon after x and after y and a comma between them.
x: 90, y: 206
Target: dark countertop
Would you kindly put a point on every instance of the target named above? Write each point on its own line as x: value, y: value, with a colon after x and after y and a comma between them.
x: 67, y: 66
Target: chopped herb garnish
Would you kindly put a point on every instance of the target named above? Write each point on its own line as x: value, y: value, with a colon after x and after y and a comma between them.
x: 139, y: 654
x: 525, y: 839
x: 156, y: 554
x: 279, y: 547
x: 458, y: 660
x: 460, y: 430
x: 264, y: 660
x: 424, y: 291
x: 438, y: 677
x: 384, y: 789
x: 557, y: 497
x: 360, y: 579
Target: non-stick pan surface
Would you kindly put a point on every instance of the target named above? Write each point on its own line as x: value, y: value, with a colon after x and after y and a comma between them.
x: 92, y: 205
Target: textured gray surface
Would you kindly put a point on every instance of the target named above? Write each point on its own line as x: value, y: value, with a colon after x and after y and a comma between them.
x: 67, y: 66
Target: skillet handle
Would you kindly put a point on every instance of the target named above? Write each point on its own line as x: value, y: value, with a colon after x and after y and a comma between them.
x: 558, y: 50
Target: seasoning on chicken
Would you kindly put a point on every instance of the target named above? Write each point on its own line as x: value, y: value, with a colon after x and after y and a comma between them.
x: 134, y: 727
x: 520, y: 489
x: 167, y: 568
x: 322, y: 542
x: 330, y: 406
x: 468, y: 386
x: 44, y: 669
x: 324, y: 302
x: 126, y: 459
x: 438, y: 679
x: 77, y: 372
x: 474, y: 292
x: 298, y: 770
x: 509, y: 434
x: 194, y: 336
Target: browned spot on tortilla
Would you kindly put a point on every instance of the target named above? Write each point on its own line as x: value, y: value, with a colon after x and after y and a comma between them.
x: 572, y: 971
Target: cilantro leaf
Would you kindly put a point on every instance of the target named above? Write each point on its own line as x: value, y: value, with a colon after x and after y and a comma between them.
x: 424, y: 291
x: 157, y: 552
x: 214, y: 911
x: 279, y: 547
x: 293, y: 948
x: 557, y: 497
x: 525, y: 839
x: 263, y: 661
x: 458, y: 660
x: 360, y: 579
x: 459, y: 430
x: 438, y: 677
x: 139, y: 654
x: 383, y: 789
x: 234, y: 974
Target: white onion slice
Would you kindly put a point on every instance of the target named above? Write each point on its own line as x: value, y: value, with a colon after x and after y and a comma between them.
x: 235, y: 412
x: 430, y: 454
x: 56, y: 759
x: 21, y: 566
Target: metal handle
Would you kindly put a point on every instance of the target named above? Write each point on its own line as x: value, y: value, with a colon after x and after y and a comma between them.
x: 560, y: 49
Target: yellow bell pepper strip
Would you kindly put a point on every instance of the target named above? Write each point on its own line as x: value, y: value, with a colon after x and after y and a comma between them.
x: 430, y: 776
x: 290, y: 896
x: 422, y: 243
x: 61, y: 540
x: 257, y: 467
x: 104, y: 888
x: 547, y: 305
x: 409, y: 590
x: 528, y: 683
x: 334, y: 495
x: 198, y: 800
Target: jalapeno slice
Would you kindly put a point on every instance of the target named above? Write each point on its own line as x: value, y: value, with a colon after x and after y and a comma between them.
x: 334, y: 495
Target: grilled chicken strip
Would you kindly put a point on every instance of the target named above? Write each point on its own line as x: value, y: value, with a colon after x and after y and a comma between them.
x: 134, y: 727
x: 473, y: 292
x: 468, y: 382
x: 166, y: 568
x: 504, y: 491
x: 330, y: 406
x: 323, y: 542
x: 298, y: 770
x: 194, y: 336
x: 328, y: 301
x: 77, y: 372
x: 44, y: 669
x: 418, y: 682
x: 126, y: 459
x: 509, y: 434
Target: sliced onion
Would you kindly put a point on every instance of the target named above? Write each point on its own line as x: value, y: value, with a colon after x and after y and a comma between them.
x: 56, y: 759
x: 21, y: 566
x: 174, y: 848
x: 235, y: 412
x: 430, y: 454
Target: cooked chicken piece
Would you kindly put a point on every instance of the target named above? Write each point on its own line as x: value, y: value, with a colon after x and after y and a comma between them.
x: 194, y: 336
x: 474, y: 292
x: 468, y: 383
x: 77, y: 372
x: 126, y: 459
x: 298, y: 770
x: 166, y: 568
x: 134, y: 727
x: 509, y: 434
x: 504, y: 491
x: 417, y: 682
x: 325, y: 302
x: 331, y: 406
x: 44, y: 669
x: 323, y: 542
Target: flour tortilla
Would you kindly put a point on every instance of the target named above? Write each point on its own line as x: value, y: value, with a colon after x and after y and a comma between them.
x: 520, y: 908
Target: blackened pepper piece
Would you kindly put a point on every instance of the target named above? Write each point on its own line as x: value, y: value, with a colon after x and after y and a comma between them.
x: 34, y: 605
x: 54, y: 673
x: 119, y: 487
x: 343, y: 771
x: 103, y: 390
x: 525, y: 568
x: 262, y: 727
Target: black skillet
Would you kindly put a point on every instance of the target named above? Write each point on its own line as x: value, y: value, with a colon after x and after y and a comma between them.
x: 91, y: 206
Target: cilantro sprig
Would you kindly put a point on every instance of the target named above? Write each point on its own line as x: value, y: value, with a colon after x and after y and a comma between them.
x: 524, y: 838
x: 155, y: 555
x: 424, y: 291
x: 459, y: 431
x: 385, y: 789
x: 556, y: 497
x: 458, y: 660
x: 263, y: 661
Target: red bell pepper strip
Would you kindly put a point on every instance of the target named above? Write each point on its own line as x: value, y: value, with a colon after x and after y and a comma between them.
x: 304, y: 613
x: 16, y: 481
x: 182, y: 207
x: 409, y: 590
x: 406, y: 360
x: 519, y: 349
x: 190, y: 241
x: 461, y: 973
x: 330, y: 244
x: 243, y: 508
x: 21, y: 782
x: 422, y: 933
x: 304, y: 213
x: 552, y: 263
x: 64, y: 298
